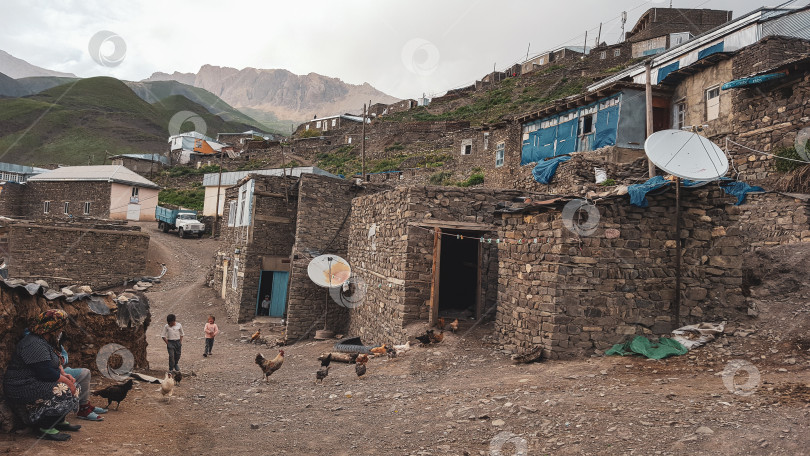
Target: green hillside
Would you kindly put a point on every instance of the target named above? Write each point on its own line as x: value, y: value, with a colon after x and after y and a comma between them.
x: 36, y: 84
x: 76, y: 123
x: 9, y: 87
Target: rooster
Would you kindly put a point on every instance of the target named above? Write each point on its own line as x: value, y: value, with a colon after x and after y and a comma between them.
x: 255, y: 337
x: 381, y: 350
x: 437, y: 338
x: 440, y: 323
x: 360, y: 365
x: 115, y: 393
x: 321, y: 374
x: 454, y: 326
x: 270, y: 365
x: 167, y: 387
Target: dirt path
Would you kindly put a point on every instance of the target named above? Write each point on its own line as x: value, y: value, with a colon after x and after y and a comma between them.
x: 459, y: 397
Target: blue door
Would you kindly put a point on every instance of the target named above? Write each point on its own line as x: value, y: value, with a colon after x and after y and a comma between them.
x: 278, y: 296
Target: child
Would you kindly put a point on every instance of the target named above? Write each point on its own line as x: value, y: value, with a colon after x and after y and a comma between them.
x: 173, y: 336
x: 211, y: 330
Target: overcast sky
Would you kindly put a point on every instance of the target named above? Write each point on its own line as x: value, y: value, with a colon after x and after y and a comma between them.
x: 403, y: 48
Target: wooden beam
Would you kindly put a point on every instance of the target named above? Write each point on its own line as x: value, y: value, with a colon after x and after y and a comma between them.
x: 434, y: 286
x: 271, y: 218
x: 452, y: 225
x: 479, y: 299
x: 272, y: 195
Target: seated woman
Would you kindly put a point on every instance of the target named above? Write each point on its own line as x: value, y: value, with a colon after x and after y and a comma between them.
x: 86, y: 410
x: 36, y: 387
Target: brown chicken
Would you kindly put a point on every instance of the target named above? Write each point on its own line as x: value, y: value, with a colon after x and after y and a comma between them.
x: 270, y: 365
x: 454, y: 326
x: 361, y: 359
x: 436, y: 338
x: 440, y: 323
x: 381, y: 350
x: 360, y: 365
x: 255, y: 337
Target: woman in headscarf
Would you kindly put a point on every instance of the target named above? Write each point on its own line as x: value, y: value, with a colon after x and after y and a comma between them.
x: 35, y: 384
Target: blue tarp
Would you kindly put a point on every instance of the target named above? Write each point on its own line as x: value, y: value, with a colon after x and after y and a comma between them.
x: 607, y: 126
x: 663, y: 72
x: 545, y: 170
x: 711, y: 50
x: 745, y: 82
x: 740, y: 189
x: 567, y: 137
x: 638, y: 192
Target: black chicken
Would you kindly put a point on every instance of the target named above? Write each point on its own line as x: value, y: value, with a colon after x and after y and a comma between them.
x: 321, y: 374
x: 115, y: 393
x: 360, y: 369
x: 426, y: 338
x: 325, y: 362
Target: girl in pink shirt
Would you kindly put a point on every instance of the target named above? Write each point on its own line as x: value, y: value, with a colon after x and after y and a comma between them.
x: 211, y: 330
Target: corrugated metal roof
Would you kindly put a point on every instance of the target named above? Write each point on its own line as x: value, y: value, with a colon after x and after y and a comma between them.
x: 231, y: 178
x: 147, y: 157
x: 191, y: 134
x: 100, y: 173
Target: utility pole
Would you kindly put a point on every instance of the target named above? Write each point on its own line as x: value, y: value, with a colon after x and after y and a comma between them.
x: 599, y: 36
x: 585, y: 46
x: 527, y: 51
x: 363, y: 142
x: 624, y: 21
x: 650, y: 165
x: 219, y: 189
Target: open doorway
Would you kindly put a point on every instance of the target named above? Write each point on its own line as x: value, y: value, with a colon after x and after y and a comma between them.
x: 271, y: 300
x: 459, y: 286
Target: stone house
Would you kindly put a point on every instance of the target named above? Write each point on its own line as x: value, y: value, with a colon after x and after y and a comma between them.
x: 104, y: 192
x: 192, y: 146
x: 272, y: 229
x: 416, y: 250
x: 141, y: 163
x: 331, y: 123
x: 659, y: 29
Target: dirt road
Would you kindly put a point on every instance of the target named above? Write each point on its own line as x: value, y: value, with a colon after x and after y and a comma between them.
x: 459, y: 397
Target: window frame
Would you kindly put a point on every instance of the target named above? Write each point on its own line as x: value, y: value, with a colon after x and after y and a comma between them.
x: 603, y: 55
x: 617, y: 52
x: 706, y: 99
x: 87, y: 208
x: 500, y: 154
x: 67, y: 207
x: 46, y: 207
x: 486, y: 140
x: 680, y: 114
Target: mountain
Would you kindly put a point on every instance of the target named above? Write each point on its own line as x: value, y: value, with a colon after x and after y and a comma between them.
x: 17, y: 68
x: 10, y: 87
x: 77, y: 123
x: 280, y: 94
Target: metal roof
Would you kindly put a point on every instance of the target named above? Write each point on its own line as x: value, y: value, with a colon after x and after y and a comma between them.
x: 20, y: 169
x: 100, y: 173
x: 231, y: 178
x: 147, y: 157
x: 191, y: 134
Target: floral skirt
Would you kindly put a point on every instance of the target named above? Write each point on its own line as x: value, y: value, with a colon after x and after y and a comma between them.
x: 60, y: 403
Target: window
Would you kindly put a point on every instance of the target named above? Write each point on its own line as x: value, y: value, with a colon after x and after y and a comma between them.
x: 235, y: 276
x: 67, y: 208
x: 334, y: 122
x: 542, y: 60
x: 466, y: 147
x: 617, y: 52
x: 603, y: 55
x: 318, y: 124
x: 680, y: 115
x: 499, y: 153
x: 587, y: 125
x: 307, y: 127
x: 46, y: 207
x: 87, y: 208
x: 713, y: 103
x: 486, y: 141
x: 231, y: 213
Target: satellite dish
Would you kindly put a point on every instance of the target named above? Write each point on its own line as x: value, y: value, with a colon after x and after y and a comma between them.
x: 686, y: 155
x: 329, y: 271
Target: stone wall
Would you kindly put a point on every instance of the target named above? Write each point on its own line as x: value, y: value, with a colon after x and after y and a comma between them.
x: 395, y: 258
x: 97, y: 255
x: 772, y: 219
x: 572, y: 295
x: 12, y: 200
x: 59, y: 193
x: 323, y: 220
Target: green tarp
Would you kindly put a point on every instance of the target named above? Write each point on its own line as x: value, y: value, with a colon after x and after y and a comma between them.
x: 642, y: 346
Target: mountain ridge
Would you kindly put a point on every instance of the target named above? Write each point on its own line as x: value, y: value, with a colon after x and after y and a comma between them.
x: 17, y: 68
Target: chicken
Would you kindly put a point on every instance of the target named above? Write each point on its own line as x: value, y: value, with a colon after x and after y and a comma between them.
x: 177, y: 377
x: 391, y: 353
x: 454, y: 326
x: 437, y: 338
x: 402, y: 348
x: 325, y: 362
x: 381, y: 350
x: 270, y: 365
x: 321, y: 374
x: 440, y: 323
x: 360, y: 365
x: 115, y: 393
x: 167, y: 387
x: 256, y: 336
x: 425, y: 339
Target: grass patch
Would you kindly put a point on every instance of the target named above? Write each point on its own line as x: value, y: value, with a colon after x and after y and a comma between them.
x: 192, y: 199
x: 291, y: 164
x: 440, y: 178
x: 395, y: 146
x: 786, y: 166
x: 310, y: 134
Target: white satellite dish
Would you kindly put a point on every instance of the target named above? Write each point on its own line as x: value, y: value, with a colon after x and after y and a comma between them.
x: 686, y: 155
x: 329, y: 271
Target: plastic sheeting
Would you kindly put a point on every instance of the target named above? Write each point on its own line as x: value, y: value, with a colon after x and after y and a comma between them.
x: 693, y: 336
x: 545, y: 170
x: 98, y: 306
x: 638, y: 192
x: 740, y: 189
x: 663, y: 72
x: 132, y: 312
x: 714, y: 49
x: 664, y: 348
x: 607, y: 127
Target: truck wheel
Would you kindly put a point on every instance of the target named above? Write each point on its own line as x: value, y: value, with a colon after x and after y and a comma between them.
x: 181, y: 233
x: 165, y: 227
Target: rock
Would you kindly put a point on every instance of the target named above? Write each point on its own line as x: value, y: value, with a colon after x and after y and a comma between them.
x: 498, y: 422
x: 254, y: 426
x: 703, y: 430
x: 790, y: 361
x: 42, y: 283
